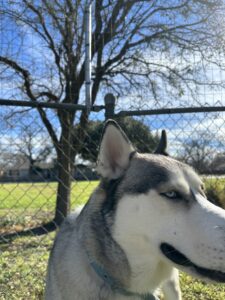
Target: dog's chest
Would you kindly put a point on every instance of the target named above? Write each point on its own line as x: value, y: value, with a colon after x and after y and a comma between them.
x: 147, y: 277
x: 147, y: 271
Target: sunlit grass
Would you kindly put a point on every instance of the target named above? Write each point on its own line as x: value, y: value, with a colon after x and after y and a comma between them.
x: 215, y: 189
x: 24, y: 205
x: 23, y: 262
x: 41, y: 195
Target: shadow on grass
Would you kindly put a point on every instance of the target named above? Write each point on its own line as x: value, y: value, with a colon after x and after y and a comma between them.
x: 35, y: 231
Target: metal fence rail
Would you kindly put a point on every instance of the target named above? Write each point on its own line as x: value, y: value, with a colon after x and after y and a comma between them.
x: 33, y: 104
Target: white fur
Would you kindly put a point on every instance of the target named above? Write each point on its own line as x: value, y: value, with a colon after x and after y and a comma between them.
x: 143, y: 222
x: 135, y: 230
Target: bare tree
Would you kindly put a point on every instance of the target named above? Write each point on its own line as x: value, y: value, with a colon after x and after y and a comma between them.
x: 126, y: 35
x: 34, y: 147
x: 199, y: 152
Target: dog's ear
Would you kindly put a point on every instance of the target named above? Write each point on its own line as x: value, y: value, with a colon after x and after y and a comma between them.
x: 115, y: 151
x: 162, y: 146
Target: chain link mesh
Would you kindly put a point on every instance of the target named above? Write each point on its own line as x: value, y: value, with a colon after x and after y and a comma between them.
x: 44, y: 173
x: 29, y: 179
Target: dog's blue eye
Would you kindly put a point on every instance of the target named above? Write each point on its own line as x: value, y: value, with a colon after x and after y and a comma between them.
x: 171, y: 195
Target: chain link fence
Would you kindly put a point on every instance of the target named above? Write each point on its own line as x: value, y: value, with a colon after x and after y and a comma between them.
x: 165, y: 64
x: 30, y: 180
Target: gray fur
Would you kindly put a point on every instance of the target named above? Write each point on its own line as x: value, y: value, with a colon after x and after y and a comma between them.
x: 149, y: 171
x: 95, y: 235
x: 90, y: 234
x: 90, y: 238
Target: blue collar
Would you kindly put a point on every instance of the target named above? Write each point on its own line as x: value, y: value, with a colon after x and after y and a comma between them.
x: 116, y: 286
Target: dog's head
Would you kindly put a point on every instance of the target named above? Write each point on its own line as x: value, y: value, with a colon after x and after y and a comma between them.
x: 161, y: 202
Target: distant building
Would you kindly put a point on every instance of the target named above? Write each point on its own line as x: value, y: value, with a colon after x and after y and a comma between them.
x: 13, y: 167
x: 17, y: 169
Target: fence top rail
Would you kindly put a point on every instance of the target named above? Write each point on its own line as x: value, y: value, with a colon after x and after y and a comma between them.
x: 170, y: 111
x: 33, y: 104
x: 122, y: 113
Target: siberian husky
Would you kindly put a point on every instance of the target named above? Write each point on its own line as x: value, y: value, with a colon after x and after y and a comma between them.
x: 148, y: 217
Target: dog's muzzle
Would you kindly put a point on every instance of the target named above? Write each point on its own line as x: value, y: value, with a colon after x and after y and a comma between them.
x: 180, y: 259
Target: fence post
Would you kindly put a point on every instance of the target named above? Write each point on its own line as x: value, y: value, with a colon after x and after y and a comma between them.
x: 110, y: 101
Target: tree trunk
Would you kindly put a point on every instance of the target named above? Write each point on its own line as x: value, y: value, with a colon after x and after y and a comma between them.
x: 65, y: 162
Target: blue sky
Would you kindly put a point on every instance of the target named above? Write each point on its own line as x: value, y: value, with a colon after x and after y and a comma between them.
x: 31, y: 52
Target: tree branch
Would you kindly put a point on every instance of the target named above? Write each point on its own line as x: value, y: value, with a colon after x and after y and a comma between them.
x: 27, y: 84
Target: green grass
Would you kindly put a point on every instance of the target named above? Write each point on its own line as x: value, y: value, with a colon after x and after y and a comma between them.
x: 24, y: 205
x: 193, y: 289
x: 23, y: 268
x: 23, y: 262
x: 215, y: 189
x: 40, y: 195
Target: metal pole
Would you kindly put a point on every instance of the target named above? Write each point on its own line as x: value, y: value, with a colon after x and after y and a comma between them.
x: 33, y: 104
x: 88, y: 32
x: 110, y: 102
x: 171, y: 111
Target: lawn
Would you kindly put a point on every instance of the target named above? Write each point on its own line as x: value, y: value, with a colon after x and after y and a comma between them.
x: 23, y: 262
x: 215, y: 189
x: 23, y: 205
x: 40, y: 195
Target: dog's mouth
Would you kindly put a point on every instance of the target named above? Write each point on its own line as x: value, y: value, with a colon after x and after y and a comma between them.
x: 180, y: 259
